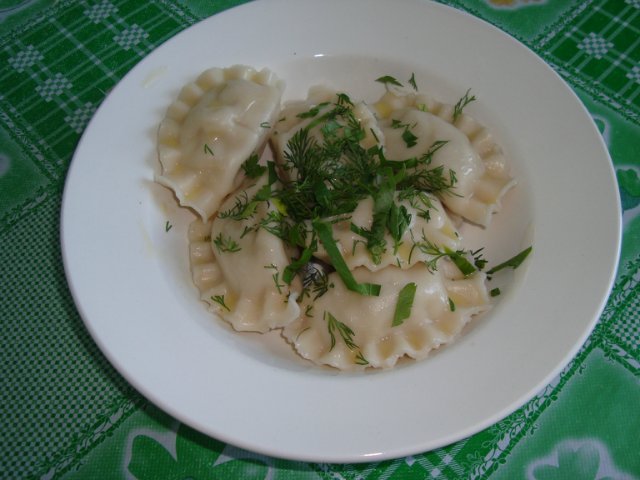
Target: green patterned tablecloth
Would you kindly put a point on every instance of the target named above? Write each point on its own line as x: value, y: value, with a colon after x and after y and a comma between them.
x: 66, y: 413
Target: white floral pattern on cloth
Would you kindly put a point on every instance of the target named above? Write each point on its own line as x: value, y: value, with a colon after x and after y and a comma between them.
x: 584, y: 459
x: 629, y: 185
x: 186, y: 453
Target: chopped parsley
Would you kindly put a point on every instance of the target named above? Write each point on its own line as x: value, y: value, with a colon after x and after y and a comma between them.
x: 251, y: 167
x: 324, y: 174
x: 514, y: 262
x: 389, y: 80
x: 404, y: 304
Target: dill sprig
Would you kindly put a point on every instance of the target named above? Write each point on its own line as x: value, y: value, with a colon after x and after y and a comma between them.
x: 225, y: 243
x: 324, y: 173
x: 346, y: 334
x: 331, y: 172
x: 219, y: 299
x: 463, y: 102
x: 435, y: 253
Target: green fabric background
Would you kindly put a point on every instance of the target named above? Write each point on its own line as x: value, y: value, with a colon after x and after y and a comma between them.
x: 66, y: 413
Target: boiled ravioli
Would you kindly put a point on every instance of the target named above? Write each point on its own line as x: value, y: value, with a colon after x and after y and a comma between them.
x: 429, y: 226
x: 238, y: 268
x: 479, y: 163
x: 393, y: 233
x: 216, y: 123
x: 304, y: 114
x: 348, y: 331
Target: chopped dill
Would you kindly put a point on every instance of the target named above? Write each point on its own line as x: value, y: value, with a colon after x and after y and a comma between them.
x: 346, y: 334
x: 226, y: 244
x: 412, y: 82
x: 463, y: 102
x: 219, y: 299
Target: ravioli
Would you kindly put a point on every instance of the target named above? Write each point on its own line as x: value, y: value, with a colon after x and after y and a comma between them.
x: 216, y: 123
x: 429, y: 225
x: 238, y: 268
x: 307, y: 114
x: 348, y: 241
x: 345, y: 330
x: 471, y: 152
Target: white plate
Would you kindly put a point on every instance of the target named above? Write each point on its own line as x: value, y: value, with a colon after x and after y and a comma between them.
x: 130, y: 278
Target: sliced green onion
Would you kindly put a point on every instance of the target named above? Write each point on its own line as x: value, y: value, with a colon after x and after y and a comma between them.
x: 325, y: 235
x: 514, y: 262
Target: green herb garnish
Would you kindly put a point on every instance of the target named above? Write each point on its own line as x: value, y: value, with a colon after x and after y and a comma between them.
x: 404, y: 304
x: 334, y: 325
x: 412, y: 82
x: 460, y: 261
x: 219, y: 299
x: 463, y: 102
x: 514, y: 262
x: 409, y: 138
x: 226, y: 244
x: 276, y: 277
x: 436, y: 253
x: 251, y: 167
x: 325, y: 235
x: 388, y: 80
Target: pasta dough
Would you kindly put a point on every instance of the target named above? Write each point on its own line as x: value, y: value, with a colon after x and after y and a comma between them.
x: 471, y: 152
x: 237, y: 269
x: 295, y: 117
x: 370, y: 339
x: 429, y: 224
x: 338, y: 243
x: 216, y: 123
